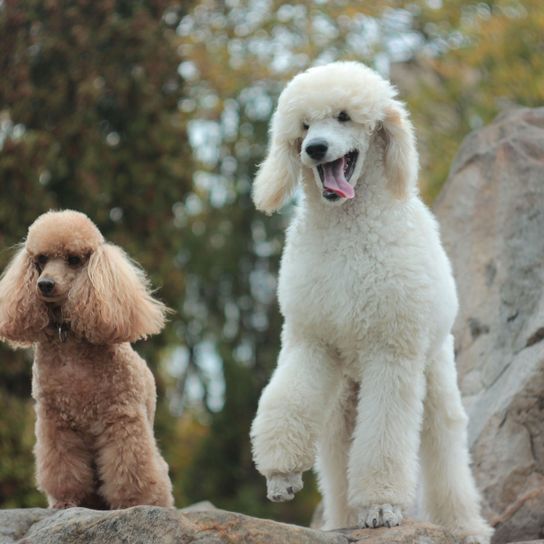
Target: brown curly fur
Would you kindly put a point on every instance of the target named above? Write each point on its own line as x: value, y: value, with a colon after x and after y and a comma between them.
x: 95, y: 396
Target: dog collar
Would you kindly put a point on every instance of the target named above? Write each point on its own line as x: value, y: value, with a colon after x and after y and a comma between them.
x: 62, y: 329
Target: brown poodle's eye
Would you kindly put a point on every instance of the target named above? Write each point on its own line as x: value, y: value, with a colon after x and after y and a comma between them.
x: 41, y: 261
x: 343, y: 117
x: 305, y: 126
x: 74, y: 260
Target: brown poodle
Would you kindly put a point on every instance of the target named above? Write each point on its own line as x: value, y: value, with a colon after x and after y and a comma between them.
x: 80, y: 301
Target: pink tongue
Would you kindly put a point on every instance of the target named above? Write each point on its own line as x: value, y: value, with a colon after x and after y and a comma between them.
x: 334, y: 180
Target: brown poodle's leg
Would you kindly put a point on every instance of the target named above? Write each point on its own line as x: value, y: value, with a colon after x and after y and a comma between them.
x: 63, y: 464
x: 94, y: 501
x: 130, y: 466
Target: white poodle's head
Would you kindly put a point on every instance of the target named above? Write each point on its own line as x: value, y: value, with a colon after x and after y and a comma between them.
x: 324, y: 122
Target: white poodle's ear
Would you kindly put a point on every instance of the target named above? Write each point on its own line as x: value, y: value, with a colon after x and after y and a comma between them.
x: 401, y: 158
x: 277, y: 176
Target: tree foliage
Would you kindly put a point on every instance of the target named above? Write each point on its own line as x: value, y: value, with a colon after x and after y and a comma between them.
x: 238, y: 57
x: 88, y: 120
x: 481, y: 57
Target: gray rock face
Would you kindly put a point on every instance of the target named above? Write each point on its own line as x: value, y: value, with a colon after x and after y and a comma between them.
x: 491, y: 212
x: 14, y: 524
x: 154, y: 525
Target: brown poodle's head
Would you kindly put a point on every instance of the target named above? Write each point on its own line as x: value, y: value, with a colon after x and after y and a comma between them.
x: 60, y: 245
x: 67, y: 275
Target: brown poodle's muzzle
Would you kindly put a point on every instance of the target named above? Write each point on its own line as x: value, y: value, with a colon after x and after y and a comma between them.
x: 55, y: 279
x: 46, y: 286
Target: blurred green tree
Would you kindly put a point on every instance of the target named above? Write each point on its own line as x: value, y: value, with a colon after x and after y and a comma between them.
x: 237, y: 58
x: 238, y: 55
x: 479, y: 58
x: 88, y: 120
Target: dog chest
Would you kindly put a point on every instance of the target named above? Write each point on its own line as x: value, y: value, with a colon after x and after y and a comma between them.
x: 80, y: 386
x: 355, y: 292
x: 367, y: 278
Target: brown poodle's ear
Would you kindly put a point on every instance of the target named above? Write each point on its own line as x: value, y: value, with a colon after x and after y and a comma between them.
x: 111, y: 300
x: 277, y: 176
x: 22, y: 315
x: 401, y: 159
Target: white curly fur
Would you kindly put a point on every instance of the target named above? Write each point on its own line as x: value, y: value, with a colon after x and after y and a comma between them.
x: 366, y: 376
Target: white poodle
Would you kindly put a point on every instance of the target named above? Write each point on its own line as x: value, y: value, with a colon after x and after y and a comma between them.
x: 366, y: 375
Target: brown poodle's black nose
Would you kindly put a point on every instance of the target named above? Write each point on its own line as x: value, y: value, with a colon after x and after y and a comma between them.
x: 46, y: 285
x: 317, y: 148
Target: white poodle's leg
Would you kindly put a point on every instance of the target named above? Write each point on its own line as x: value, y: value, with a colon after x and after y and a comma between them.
x: 451, y: 497
x: 332, y: 458
x: 291, y: 414
x: 383, y: 458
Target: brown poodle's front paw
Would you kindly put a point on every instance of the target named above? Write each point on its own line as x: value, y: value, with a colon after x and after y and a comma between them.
x: 62, y: 505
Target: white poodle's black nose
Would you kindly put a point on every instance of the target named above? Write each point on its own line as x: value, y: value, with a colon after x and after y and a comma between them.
x: 46, y: 285
x: 317, y: 148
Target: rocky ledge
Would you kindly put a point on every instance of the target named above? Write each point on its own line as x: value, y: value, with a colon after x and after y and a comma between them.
x: 199, y: 524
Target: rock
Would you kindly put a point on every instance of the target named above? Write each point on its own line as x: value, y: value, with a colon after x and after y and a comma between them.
x: 491, y: 212
x: 199, y: 507
x: 409, y: 532
x: 14, y: 524
x: 155, y: 525
x: 226, y: 527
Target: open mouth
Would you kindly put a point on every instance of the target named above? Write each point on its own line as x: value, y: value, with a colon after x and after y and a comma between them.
x: 335, y: 176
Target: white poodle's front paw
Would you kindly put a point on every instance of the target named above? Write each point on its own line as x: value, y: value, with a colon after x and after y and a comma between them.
x: 282, y: 487
x: 380, y: 515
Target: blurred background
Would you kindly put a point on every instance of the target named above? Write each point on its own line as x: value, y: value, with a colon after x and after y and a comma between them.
x: 151, y: 116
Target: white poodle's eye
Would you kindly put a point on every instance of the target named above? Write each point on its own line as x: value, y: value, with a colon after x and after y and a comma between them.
x: 305, y: 126
x: 343, y: 117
